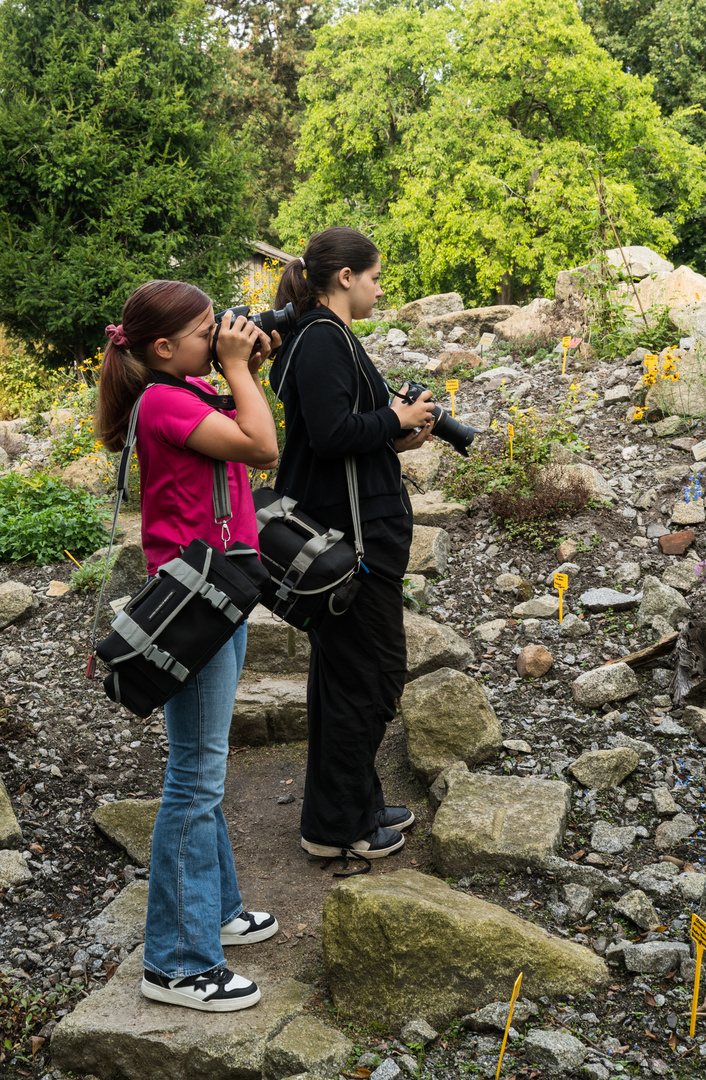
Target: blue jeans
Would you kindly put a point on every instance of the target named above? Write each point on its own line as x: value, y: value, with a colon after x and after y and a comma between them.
x: 193, y: 886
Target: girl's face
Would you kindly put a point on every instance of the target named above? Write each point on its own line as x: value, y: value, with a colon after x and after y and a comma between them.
x: 189, y: 351
x: 364, y: 292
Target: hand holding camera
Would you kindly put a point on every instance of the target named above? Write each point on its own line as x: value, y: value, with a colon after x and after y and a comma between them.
x: 239, y: 341
x: 264, y: 331
x: 413, y: 412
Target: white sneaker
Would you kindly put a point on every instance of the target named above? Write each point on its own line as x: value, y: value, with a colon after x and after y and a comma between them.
x: 218, y: 990
x: 248, y: 927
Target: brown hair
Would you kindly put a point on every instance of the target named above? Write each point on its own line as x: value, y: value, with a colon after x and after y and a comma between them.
x: 156, y: 309
x: 326, y: 253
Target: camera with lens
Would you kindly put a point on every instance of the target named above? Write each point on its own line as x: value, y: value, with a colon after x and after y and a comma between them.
x: 446, y: 427
x: 283, y: 321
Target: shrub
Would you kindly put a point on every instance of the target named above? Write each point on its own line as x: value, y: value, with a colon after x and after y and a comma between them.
x: 88, y: 578
x: 40, y: 517
x: 532, y: 502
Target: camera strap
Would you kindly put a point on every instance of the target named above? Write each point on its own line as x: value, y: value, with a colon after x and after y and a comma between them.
x: 351, y: 471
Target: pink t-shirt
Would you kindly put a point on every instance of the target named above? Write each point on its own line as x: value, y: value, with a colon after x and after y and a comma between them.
x: 177, y: 483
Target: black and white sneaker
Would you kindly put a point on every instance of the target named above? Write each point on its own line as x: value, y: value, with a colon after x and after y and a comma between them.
x: 248, y: 927
x: 380, y: 843
x: 394, y: 817
x: 218, y: 990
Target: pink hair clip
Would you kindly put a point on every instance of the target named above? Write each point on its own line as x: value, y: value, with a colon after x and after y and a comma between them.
x: 117, y: 335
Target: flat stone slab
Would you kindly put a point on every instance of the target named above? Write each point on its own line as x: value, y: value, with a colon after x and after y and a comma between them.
x: 405, y: 944
x: 431, y: 645
x: 122, y: 922
x: 269, y: 711
x: 542, y: 607
x: 609, y: 600
x: 497, y: 821
x: 10, y: 831
x: 306, y: 1045
x: 655, y: 957
x: 612, y: 839
x: 129, y: 823
x: 434, y: 509
x: 116, y: 1032
x: 273, y: 645
x: 613, y: 682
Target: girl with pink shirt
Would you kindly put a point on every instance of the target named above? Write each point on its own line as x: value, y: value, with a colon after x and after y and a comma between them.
x: 194, y: 905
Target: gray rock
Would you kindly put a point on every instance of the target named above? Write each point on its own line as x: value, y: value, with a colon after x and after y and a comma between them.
x: 595, y: 600
x: 672, y: 832
x: 644, y: 750
x: 129, y: 823
x: 507, y: 582
x: 602, y: 769
x: 648, y: 883
x: 614, y: 682
x: 431, y: 645
x: 695, y: 719
x: 429, y: 307
x: 497, y: 821
x: 477, y: 320
x: 691, y: 886
x: 494, y: 1017
x: 129, y: 571
x: 596, y: 484
x: 500, y: 372
x: 122, y: 922
x: 681, y: 576
x: 664, y: 803
x: 639, y: 909
x: 118, y: 1032
x: 381, y: 931
x: 654, y: 957
x: 417, y: 590
x: 629, y: 573
x: 13, y: 870
x: 572, y: 628
x: 571, y: 570
x: 556, y: 1049
x: 655, y: 530
x: 273, y: 646
x: 447, y: 718
x: 616, y: 394
x: 389, y: 1070
x: 94, y: 472
x: 429, y: 553
x: 306, y: 1045
x: 396, y: 337
x: 269, y: 711
x: 434, y: 509
x: 541, y: 607
x: 490, y: 631
x: 612, y: 839
x: 692, y: 513
x: 423, y: 465
x: 419, y: 1032
x: 668, y: 727
x: 16, y: 600
x: 660, y: 599
x: 590, y: 876
x: 578, y: 899
x: 10, y: 831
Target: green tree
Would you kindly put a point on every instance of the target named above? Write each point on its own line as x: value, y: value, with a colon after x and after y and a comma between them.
x: 118, y: 162
x: 454, y: 137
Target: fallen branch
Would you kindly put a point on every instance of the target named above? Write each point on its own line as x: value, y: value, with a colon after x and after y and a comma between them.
x: 663, y: 647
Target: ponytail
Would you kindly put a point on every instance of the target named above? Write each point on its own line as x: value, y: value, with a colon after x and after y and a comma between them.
x: 156, y: 309
x: 307, y: 281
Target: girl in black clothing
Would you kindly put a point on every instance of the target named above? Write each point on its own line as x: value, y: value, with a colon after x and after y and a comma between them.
x: 358, y: 659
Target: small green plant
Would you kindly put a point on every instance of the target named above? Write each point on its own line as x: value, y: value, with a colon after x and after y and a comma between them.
x: 40, y: 517
x: 23, y: 1013
x: 88, y: 578
x: 362, y: 327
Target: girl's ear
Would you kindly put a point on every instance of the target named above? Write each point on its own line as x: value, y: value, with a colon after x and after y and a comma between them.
x: 163, y: 349
x: 345, y: 277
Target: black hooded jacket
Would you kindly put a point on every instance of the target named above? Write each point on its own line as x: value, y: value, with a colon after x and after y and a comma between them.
x: 319, y: 394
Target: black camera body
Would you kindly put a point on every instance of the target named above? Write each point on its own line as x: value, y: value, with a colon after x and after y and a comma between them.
x: 283, y: 321
x: 446, y: 427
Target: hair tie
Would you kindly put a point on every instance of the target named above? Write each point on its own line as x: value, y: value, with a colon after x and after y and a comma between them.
x: 117, y: 335
x: 301, y: 260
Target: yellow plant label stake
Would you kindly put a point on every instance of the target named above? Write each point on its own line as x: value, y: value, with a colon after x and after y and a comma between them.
x: 513, y: 999
x: 698, y: 933
x: 566, y: 345
x: 650, y: 361
x: 452, y: 387
x: 561, y: 582
x: 511, y: 436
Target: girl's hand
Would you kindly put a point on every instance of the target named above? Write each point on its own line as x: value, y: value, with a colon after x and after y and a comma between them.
x: 416, y: 414
x: 264, y: 347
x: 414, y: 440
x: 236, y: 343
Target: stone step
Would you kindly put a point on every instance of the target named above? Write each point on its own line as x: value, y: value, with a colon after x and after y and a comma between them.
x: 273, y: 645
x: 269, y: 710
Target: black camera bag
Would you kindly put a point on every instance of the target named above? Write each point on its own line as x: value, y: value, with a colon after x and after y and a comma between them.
x: 312, y: 568
x: 179, y: 619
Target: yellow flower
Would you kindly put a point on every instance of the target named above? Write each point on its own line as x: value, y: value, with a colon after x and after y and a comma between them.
x: 263, y: 475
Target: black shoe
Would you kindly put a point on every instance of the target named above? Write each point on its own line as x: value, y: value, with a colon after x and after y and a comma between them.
x: 394, y: 817
x: 380, y: 843
x: 248, y: 927
x: 218, y: 990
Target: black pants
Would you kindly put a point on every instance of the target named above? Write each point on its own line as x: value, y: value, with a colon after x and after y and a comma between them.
x: 357, y: 673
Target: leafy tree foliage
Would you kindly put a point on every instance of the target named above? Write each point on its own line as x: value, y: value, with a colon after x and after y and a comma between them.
x: 118, y: 164
x: 454, y: 136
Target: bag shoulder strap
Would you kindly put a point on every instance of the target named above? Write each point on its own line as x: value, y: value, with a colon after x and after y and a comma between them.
x: 351, y: 470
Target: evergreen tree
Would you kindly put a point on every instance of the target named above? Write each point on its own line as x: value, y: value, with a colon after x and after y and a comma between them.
x: 118, y: 165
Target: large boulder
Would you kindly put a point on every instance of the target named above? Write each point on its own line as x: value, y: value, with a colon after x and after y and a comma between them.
x: 661, y: 600
x: 613, y: 682
x: 403, y: 945
x: 672, y: 289
x: 16, y: 600
x: 428, y: 307
x: 602, y: 769
x: 497, y: 821
x: 306, y: 1045
x: 129, y: 571
x: 690, y: 319
x: 422, y: 465
x: 433, y: 508
x: 538, y: 317
x: 94, y: 473
x: 431, y: 645
x: 117, y: 1034
x: 10, y: 831
x: 273, y: 646
x: 129, y: 824
x: 429, y: 553
x: 269, y: 711
x: 447, y: 718
x: 122, y: 921
x: 685, y: 396
x: 474, y: 320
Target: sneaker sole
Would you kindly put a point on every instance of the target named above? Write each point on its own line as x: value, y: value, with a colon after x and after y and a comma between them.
x: 326, y: 852
x: 250, y: 939
x: 177, y: 997
x: 400, y: 825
